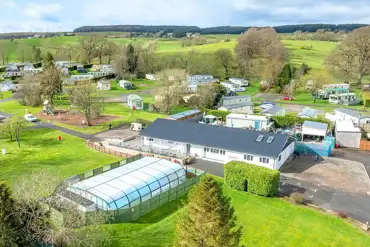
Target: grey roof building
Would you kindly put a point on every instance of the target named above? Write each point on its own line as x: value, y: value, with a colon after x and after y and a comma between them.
x: 350, y: 112
x: 258, y: 143
x: 274, y: 111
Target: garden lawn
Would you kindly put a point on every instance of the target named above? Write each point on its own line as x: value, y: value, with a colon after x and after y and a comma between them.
x: 5, y: 95
x: 140, y: 84
x: 265, y: 221
x: 40, y: 150
x: 13, y: 107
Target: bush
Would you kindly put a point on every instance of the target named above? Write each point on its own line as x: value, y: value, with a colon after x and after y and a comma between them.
x: 252, y: 178
x: 297, y: 198
x: 343, y: 215
x: 218, y: 113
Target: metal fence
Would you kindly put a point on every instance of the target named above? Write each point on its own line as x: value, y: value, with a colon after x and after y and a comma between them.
x: 133, y: 213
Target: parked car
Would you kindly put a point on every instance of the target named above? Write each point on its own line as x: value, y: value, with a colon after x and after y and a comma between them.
x: 30, y: 118
x: 287, y: 98
x: 267, y: 105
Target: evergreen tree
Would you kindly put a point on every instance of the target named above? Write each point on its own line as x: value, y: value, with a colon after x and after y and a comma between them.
x: 36, y: 54
x: 132, y: 58
x: 48, y: 60
x: 208, y: 219
x: 285, y: 76
x: 7, y: 220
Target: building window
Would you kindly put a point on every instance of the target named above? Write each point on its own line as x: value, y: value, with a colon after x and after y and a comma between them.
x: 248, y: 157
x: 279, y: 158
x: 170, y: 141
x: 264, y: 160
x: 150, y: 139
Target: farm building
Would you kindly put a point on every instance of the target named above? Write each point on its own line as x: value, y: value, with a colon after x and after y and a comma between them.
x: 347, y: 135
x: 135, y: 102
x: 125, y: 84
x: 103, y: 85
x: 239, y: 81
x: 191, y: 114
x: 7, y: 86
x: 342, y: 99
x: 219, y: 144
x: 236, y: 104
x: 274, y: 110
x: 128, y: 185
x: 312, y: 131
x: 308, y: 112
x: 243, y: 121
x: 150, y: 77
x: 232, y: 86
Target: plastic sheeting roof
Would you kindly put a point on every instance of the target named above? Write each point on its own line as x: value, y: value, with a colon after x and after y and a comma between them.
x: 131, y: 184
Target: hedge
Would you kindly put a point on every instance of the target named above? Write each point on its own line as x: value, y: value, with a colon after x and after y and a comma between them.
x: 252, y: 178
x: 366, y: 98
x: 290, y: 120
x: 218, y: 113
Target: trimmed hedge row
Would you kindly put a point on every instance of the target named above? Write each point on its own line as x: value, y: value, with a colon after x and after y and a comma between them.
x: 252, y: 178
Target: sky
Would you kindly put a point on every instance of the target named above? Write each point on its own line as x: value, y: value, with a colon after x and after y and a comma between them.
x: 53, y: 15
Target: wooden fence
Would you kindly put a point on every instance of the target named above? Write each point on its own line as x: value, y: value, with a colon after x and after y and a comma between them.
x: 365, y: 145
x: 101, y: 148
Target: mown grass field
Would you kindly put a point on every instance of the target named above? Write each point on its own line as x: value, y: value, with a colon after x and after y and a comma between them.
x: 40, y: 149
x: 266, y: 222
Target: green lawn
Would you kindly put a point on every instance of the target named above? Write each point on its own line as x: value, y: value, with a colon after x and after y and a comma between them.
x: 40, y: 149
x: 140, y: 84
x: 13, y: 107
x: 265, y: 221
x: 5, y: 95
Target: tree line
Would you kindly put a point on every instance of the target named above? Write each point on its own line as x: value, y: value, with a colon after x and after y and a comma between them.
x: 217, y: 30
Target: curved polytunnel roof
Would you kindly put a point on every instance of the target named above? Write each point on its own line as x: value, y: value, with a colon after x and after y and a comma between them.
x: 131, y: 184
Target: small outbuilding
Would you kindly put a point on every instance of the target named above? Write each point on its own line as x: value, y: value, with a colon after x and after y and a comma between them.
x: 312, y: 131
x: 135, y: 102
x: 347, y: 135
x: 190, y: 114
x: 274, y: 110
x: 308, y: 112
x: 103, y: 85
x: 125, y: 84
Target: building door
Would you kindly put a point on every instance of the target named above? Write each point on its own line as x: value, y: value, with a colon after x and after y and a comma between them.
x: 257, y: 125
x: 188, y: 147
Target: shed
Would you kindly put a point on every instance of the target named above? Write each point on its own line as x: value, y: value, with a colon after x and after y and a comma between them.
x: 308, y: 112
x: 312, y: 129
x: 274, y: 110
x: 135, y: 102
x: 125, y: 84
x: 190, y: 114
x: 103, y: 85
x: 347, y: 135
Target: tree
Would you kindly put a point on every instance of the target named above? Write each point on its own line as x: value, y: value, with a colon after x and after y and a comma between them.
x: 86, y: 98
x: 24, y: 53
x: 127, y: 61
x: 352, y: 55
x: 285, y: 76
x: 304, y: 69
x: 36, y: 54
x: 208, y: 219
x: 12, y: 127
x: 51, y: 82
x: 318, y: 79
x: 147, y: 60
x: 132, y: 58
x: 29, y: 91
x: 8, y: 232
x: 48, y: 60
x: 5, y: 51
x: 100, y: 48
x: 170, y: 90
x: 110, y: 50
x: 225, y: 58
x: 88, y: 46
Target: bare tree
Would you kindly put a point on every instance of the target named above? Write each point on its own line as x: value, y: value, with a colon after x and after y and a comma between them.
x: 85, y: 96
x: 51, y: 82
x: 171, y: 88
x: 89, y: 46
x: 29, y: 91
x: 12, y: 127
x: 111, y: 49
x: 352, y: 55
x: 318, y: 79
x: 5, y: 51
x: 147, y: 59
x: 100, y: 48
x: 24, y: 53
x: 225, y: 58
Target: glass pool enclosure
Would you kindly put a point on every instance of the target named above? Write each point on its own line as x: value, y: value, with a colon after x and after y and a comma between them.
x: 131, y: 184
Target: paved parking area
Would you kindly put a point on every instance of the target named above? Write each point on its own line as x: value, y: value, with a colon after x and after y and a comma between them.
x: 118, y: 133
x: 356, y: 155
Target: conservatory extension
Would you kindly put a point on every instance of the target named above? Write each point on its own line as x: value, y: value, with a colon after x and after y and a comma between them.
x: 129, y: 185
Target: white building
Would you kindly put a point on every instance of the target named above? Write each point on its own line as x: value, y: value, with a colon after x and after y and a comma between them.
x: 344, y: 98
x: 97, y: 74
x: 30, y: 71
x: 150, y: 77
x: 135, y: 102
x: 335, y: 86
x: 81, y: 77
x: 342, y: 114
x: 237, y: 104
x: 219, y: 144
x: 125, y: 84
x: 103, y: 85
x: 313, y: 130
x: 239, y: 81
x: 346, y: 134
x: 6, y: 86
x: 64, y: 64
x: 243, y: 121
x: 232, y: 86
x: 274, y: 110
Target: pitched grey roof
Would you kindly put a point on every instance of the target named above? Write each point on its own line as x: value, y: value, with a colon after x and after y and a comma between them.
x: 307, y: 112
x: 238, y: 97
x: 237, y: 140
x: 350, y: 112
x: 272, y: 110
x: 315, y: 125
x: 237, y: 105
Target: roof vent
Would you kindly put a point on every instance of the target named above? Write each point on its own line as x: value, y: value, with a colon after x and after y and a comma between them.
x: 270, y: 139
x: 259, y: 138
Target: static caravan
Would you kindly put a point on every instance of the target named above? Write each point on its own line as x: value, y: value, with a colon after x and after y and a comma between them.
x: 232, y: 86
x: 347, y: 135
x: 243, y: 121
x: 239, y: 81
x: 341, y: 99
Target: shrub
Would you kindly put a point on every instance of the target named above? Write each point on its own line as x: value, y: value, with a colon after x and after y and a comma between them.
x: 343, y: 215
x: 297, y: 197
x: 218, y: 113
x: 252, y: 178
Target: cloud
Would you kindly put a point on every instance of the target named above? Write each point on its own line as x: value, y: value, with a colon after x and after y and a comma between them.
x: 52, y: 15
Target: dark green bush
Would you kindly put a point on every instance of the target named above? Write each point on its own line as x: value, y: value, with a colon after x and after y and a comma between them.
x: 252, y: 178
x: 218, y: 113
